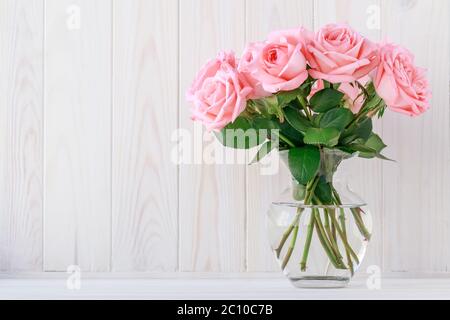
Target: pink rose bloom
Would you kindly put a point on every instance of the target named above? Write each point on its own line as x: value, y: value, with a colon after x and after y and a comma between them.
x: 401, y: 84
x: 245, y: 68
x: 295, y: 35
x: 352, y: 96
x: 352, y: 93
x: 219, y: 93
x: 279, y: 64
x: 317, y: 86
x: 339, y: 54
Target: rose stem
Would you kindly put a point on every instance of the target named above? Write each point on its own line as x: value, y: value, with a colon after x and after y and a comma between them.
x: 286, y: 234
x: 358, y: 220
x: 291, y: 246
x: 307, y: 243
x: 324, y: 243
x: 321, y: 230
x: 333, y: 228
x: 332, y: 240
x: 310, y: 192
x: 344, y: 240
x: 330, y: 235
x: 360, y: 223
x: 344, y: 230
x: 304, y: 103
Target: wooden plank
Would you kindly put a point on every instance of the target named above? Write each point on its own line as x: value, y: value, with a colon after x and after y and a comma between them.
x: 216, y: 287
x: 417, y: 186
x: 262, y: 189
x: 77, y: 134
x: 144, y: 181
x: 212, y: 196
x: 365, y: 177
x: 21, y: 35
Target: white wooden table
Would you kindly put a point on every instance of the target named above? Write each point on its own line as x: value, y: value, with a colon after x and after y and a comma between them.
x: 210, y: 286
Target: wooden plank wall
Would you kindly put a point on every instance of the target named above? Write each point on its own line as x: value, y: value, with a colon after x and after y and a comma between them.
x: 92, y: 94
x: 21, y: 143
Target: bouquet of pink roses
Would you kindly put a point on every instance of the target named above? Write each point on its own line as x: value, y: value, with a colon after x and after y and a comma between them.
x: 309, y: 94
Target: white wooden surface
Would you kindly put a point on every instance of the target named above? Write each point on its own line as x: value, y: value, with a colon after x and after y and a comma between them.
x: 21, y: 80
x: 416, y: 188
x: 211, y: 197
x: 90, y: 95
x: 77, y: 134
x: 144, y: 188
x: 233, y: 287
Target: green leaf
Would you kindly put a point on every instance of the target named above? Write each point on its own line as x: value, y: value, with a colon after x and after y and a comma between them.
x: 322, y: 136
x: 381, y: 112
x: 296, y: 120
x: 337, y: 118
x: 285, y: 97
x: 325, y: 100
x: 268, y: 106
x: 316, y: 119
x: 359, y: 132
x: 370, y: 89
x: 304, y: 163
x: 362, y: 149
x: 240, y: 135
x: 264, y: 126
x: 382, y: 157
x: 261, y: 123
x: 335, y: 85
x: 375, y: 143
x: 295, y: 104
x: 373, y: 102
x: 372, y: 150
x: 306, y: 87
x: 295, y: 136
x: 323, y: 191
x: 364, y: 128
x: 265, y: 149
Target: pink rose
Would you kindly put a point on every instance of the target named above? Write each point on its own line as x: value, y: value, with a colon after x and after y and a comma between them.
x: 245, y: 68
x: 219, y: 93
x: 339, y: 54
x: 352, y: 96
x: 403, y: 86
x: 279, y: 64
x: 296, y: 35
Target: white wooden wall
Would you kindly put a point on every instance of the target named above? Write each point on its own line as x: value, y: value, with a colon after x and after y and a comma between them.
x: 91, y: 92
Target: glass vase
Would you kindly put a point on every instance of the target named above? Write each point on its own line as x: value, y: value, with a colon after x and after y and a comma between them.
x: 319, y: 245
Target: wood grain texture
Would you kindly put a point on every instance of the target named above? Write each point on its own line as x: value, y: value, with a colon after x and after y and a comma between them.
x: 77, y: 135
x: 211, y: 196
x: 144, y: 181
x: 21, y: 35
x: 242, y: 286
x: 262, y: 18
x: 363, y: 176
x: 417, y: 186
x: 88, y: 112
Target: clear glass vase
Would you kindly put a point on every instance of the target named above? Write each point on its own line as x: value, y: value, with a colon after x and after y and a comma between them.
x: 319, y: 245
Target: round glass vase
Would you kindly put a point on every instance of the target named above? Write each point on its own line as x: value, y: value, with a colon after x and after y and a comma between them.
x: 319, y: 246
